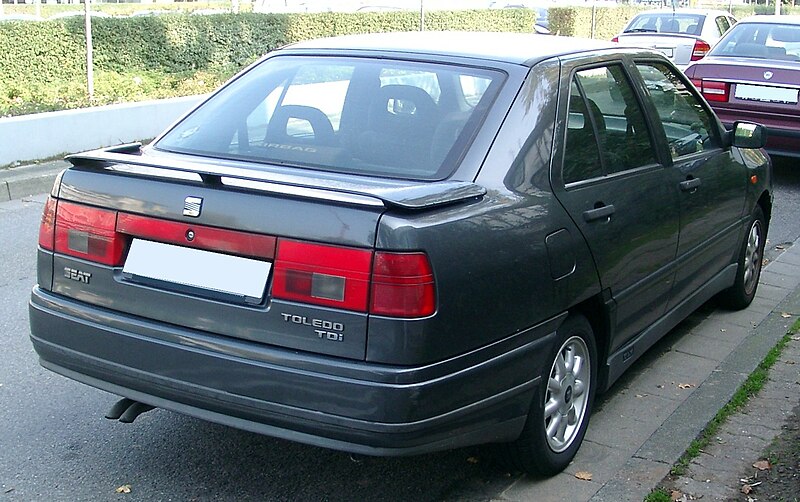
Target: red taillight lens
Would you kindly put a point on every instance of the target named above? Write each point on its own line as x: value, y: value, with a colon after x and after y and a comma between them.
x: 197, y: 236
x: 402, y: 285
x: 319, y: 274
x: 715, y: 91
x: 615, y: 39
x: 333, y: 276
x: 700, y: 49
x: 89, y: 233
x: 48, y: 227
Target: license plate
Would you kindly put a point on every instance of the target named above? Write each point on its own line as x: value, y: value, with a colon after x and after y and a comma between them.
x: 766, y: 93
x: 196, y: 268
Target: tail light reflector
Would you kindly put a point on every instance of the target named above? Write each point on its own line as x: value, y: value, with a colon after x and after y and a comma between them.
x: 699, y: 50
x: 48, y: 227
x: 319, y: 274
x: 89, y: 233
x: 402, y: 285
x: 715, y: 91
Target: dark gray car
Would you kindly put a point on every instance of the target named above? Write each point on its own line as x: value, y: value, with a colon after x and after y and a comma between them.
x: 380, y: 245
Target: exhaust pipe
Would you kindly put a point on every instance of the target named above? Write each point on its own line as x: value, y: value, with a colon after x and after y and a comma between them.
x: 126, y: 410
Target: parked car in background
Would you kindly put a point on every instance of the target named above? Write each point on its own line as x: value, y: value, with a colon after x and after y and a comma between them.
x: 399, y: 243
x: 754, y: 74
x: 683, y: 35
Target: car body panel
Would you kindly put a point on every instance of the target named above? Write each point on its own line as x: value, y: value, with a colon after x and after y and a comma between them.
x: 510, y: 253
x: 674, y: 32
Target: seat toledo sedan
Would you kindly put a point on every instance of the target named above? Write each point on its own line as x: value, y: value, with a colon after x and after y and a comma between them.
x: 400, y: 243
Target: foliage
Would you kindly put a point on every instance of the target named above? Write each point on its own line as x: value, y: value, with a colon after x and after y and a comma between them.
x: 658, y: 495
x: 42, y: 64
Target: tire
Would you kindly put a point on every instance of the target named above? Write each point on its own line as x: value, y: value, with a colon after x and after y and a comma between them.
x: 562, y: 403
x: 748, y: 272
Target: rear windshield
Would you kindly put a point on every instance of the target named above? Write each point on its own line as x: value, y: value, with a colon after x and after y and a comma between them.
x: 350, y: 115
x: 762, y: 41
x: 687, y: 24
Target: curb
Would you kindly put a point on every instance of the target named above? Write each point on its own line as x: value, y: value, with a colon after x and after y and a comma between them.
x: 34, y: 179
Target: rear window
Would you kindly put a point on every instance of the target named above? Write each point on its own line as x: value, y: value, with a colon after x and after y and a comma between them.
x: 350, y: 115
x: 762, y: 41
x: 687, y: 24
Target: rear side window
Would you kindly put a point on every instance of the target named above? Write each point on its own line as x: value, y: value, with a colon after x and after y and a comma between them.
x: 374, y: 117
x: 606, y: 132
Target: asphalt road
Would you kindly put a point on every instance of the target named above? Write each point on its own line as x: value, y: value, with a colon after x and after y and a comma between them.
x: 56, y: 445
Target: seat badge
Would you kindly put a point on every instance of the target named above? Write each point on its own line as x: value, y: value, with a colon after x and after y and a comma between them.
x: 192, y: 206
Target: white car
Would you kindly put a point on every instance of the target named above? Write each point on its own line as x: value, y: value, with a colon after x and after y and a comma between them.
x: 683, y: 35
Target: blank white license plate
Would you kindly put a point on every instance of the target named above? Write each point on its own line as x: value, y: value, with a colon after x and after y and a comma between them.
x: 197, y: 268
x: 765, y: 93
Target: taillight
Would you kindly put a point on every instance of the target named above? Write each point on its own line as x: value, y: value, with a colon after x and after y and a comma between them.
x: 700, y: 49
x: 615, y: 39
x: 48, y: 227
x: 402, y: 285
x: 89, y: 233
x: 319, y: 274
x: 713, y: 90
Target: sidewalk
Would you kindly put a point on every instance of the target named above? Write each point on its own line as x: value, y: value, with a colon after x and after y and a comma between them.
x: 647, y: 420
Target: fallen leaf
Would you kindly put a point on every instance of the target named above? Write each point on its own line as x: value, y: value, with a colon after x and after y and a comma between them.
x: 685, y: 385
x: 675, y: 495
x: 472, y: 460
x: 746, y: 489
x: 762, y: 465
x: 786, y: 315
x: 124, y: 489
x: 583, y: 475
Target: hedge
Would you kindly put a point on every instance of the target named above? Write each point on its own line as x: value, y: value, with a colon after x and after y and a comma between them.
x: 42, y: 64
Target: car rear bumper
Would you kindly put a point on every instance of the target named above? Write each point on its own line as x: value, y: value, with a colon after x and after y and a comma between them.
x: 781, y: 140
x: 479, y: 397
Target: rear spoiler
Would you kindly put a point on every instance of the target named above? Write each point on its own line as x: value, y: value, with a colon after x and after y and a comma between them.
x: 411, y: 195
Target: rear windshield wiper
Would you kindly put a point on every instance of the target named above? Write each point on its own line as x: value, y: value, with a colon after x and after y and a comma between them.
x: 640, y: 30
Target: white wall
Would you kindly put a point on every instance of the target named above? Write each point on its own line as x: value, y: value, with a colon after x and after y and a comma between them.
x: 44, y: 135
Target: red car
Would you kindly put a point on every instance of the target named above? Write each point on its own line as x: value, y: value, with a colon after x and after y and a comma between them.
x: 753, y: 74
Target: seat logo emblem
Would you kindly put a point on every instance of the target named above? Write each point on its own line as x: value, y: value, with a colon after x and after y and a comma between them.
x: 192, y: 206
x: 767, y: 75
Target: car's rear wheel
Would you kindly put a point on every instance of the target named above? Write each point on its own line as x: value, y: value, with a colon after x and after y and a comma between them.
x: 559, y: 414
x: 748, y: 272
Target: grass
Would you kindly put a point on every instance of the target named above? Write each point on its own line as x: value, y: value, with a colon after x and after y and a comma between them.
x: 658, y: 495
x: 749, y: 388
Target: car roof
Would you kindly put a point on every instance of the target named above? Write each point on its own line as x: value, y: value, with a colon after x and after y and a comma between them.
x: 515, y: 48
x: 772, y: 19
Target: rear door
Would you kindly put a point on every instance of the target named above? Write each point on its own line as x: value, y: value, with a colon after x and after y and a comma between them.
x: 618, y: 194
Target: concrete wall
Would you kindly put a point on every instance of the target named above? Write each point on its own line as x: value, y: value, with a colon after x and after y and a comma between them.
x: 44, y: 135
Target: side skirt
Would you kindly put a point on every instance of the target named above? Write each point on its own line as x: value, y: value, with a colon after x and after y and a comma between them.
x: 623, y: 358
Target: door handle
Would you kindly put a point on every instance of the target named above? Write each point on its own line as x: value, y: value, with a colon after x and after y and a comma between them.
x: 603, y: 212
x: 690, y: 184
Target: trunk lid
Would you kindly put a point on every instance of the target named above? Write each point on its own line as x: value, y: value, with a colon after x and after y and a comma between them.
x: 201, y: 245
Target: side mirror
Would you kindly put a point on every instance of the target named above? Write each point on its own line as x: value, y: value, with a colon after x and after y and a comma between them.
x: 748, y: 135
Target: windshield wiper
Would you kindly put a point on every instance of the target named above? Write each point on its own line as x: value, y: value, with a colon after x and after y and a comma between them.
x: 640, y: 30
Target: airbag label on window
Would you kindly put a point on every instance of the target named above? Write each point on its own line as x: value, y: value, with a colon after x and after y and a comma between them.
x: 197, y: 268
